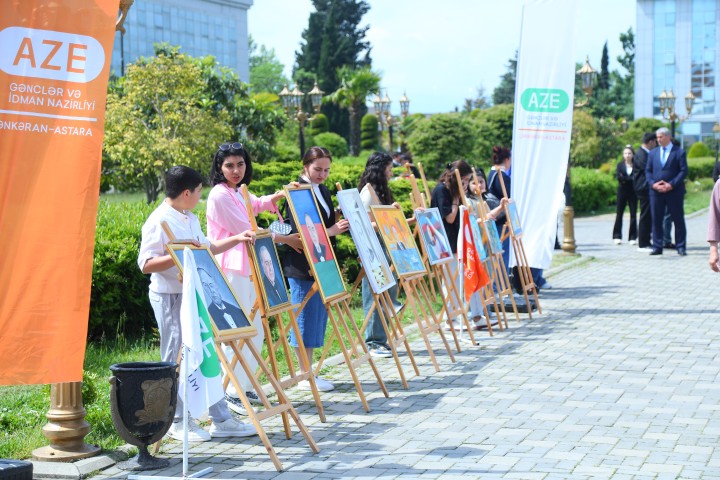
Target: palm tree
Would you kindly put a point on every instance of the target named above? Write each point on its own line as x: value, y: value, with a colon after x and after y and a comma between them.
x: 356, y: 85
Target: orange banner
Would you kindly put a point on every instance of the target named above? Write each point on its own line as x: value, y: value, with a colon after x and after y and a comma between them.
x: 54, y: 67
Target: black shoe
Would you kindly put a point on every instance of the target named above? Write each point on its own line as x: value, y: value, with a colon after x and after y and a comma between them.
x: 669, y: 245
x: 656, y: 251
x: 682, y: 252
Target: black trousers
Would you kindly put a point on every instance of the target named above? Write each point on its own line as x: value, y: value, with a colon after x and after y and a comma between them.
x: 644, y: 222
x: 626, y: 196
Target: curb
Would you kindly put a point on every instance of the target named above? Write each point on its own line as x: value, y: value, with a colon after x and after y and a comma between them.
x: 80, y: 468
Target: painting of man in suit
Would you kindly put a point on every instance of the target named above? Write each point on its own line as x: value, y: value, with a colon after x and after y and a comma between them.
x: 666, y: 171
x: 225, y: 315
x: 275, y: 291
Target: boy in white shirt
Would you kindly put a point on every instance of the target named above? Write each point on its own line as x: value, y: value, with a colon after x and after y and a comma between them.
x: 183, y: 187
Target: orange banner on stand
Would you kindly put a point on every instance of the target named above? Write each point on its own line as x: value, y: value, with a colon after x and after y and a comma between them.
x: 54, y: 68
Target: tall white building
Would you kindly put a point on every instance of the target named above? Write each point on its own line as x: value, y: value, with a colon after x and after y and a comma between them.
x: 677, y: 46
x: 199, y: 27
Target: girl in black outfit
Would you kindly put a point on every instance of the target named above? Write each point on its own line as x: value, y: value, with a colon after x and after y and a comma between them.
x: 625, y: 196
x: 446, y: 197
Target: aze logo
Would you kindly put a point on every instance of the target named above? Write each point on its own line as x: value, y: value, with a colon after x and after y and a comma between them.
x: 30, y: 52
x: 545, y: 100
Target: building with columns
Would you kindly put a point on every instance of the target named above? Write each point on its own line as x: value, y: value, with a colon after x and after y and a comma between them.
x: 677, y: 46
x: 199, y: 27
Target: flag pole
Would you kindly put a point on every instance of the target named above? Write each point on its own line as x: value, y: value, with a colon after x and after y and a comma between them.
x: 186, y: 411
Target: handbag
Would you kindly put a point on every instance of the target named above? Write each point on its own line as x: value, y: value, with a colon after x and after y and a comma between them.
x: 279, y: 226
x: 492, y: 200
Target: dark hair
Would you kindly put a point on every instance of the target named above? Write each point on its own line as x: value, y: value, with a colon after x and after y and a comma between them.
x: 229, y: 150
x: 448, y: 176
x: 629, y: 147
x: 649, y: 137
x: 406, y: 156
x: 315, y: 153
x: 500, y: 154
x: 374, y: 175
x: 180, y: 178
x: 479, y: 173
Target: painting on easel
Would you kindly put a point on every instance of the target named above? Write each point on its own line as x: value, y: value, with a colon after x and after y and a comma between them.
x: 477, y: 236
x: 491, y: 237
x: 398, y: 239
x: 433, y: 236
x: 267, y: 265
x: 227, y: 315
x: 515, y: 219
x: 366, y: 242
x: 316, y: 242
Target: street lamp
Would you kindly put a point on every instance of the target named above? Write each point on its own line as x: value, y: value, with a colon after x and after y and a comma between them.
x: 667, y: 104
x: 382, y: 108
x: 587, y: 75
x: 404, y: 109
x: 292, y: 102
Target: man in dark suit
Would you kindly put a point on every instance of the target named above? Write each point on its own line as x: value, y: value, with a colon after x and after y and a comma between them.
x: 665, y: 172
x: 642, y: 190
x: 225, y: 315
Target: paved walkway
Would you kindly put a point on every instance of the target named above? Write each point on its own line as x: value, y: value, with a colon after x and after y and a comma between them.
x: 617, y: 379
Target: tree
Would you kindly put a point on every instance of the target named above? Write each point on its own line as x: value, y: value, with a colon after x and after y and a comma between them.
x: 441, y: 139
x: 604, y: 76
x: 584, y: 141
x: 356, y: 86
x: 493, y: 126
x: 627, y: 60
x: 505, y: 91
x: 160, y: 114
x: 266, y: 71
x: 369, y: 132
x: 478, y: 103
x: 332, y: 40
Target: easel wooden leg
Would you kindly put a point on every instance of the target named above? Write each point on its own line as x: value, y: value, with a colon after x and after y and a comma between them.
x: 462, y: 306
x: 414, y: 304
x: 437, y: 324
x: 396, y: 335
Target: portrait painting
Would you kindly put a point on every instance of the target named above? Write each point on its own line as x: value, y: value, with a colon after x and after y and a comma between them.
x: 433, y: 236
x: 398, y: 240
x: 227, y: 315
x: 268, y: 271
x: 514, y: 219
x: 491, y: 237
x: 316, y: 242
x: 372, y: 256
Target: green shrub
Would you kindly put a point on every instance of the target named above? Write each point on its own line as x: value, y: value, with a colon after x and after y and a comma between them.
x: 441, y: 139
x: 332, y: 141
x: 698, y: 149
x: 592, y: 189
x: 369, y: 132
x: 701, y: 167
x: 319, y: 124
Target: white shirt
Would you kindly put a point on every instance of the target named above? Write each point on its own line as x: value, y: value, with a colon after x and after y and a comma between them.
x: 185, y: 226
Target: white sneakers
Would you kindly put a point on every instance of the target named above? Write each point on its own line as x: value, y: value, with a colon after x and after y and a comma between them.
x: 228, y: 428
x: 195, y: 433
x: 231, y: 428
x: 321, y: 384
x: 617, y: 241
x: 633, y: 242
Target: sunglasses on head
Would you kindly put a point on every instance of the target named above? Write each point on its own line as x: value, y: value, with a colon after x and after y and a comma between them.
x: 231, y: 146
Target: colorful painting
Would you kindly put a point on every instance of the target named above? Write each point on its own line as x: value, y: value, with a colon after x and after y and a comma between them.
x: 477, y: 236
x: 372, y: 255
x: 227, y: 315
x: 398, y: 240
x: 316, y: 242
x: 433, y: 236
x: 491, y: 237
x: 267, y: 269
x: 514, y: 219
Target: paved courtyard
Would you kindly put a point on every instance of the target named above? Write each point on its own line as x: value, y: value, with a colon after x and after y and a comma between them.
x: 617, y: 379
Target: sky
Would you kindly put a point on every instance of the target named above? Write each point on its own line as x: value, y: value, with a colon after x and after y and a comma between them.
x: 441, y: 52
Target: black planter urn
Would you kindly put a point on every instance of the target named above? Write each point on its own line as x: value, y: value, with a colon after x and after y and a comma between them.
x: 143, y: 396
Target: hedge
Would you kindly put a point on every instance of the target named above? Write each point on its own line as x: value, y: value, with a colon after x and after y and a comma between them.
x: 591, y: 189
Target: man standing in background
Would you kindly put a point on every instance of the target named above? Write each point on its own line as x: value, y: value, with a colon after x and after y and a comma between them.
x: 641, y: 187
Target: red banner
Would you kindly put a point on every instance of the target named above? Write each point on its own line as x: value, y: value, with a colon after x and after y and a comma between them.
x: 54, y: 67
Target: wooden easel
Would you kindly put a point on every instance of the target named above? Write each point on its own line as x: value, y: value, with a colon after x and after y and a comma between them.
x: 419, y: 301
x: 486, y: 298
x: 389, y: 319
x: 495, y: 263
x: 452, y: 304
x: 344, y: 328
x: 526, y: 280
x: 294, y: 376
x: 283, y: 407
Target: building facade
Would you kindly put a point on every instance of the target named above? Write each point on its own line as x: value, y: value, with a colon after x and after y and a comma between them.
x: 198, y: 27
x: 677, y: 46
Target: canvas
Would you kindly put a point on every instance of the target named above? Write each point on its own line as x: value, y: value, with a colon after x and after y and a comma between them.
x: 268, y: 271
x: 398, y: 240
x: 371, y: 253
x: 433, y: 236
x: 227, y: 315
x: 514, y: 219
x: 316, y: 242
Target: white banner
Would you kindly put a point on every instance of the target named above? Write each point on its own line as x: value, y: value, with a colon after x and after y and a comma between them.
x: 543, y: 121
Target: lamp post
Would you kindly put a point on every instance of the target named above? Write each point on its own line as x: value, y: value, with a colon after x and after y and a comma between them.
x: 292, y: 102
x: 587, y: 75
x: 382, y: 108
x: 667, y: 108
x: 404, y: 109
